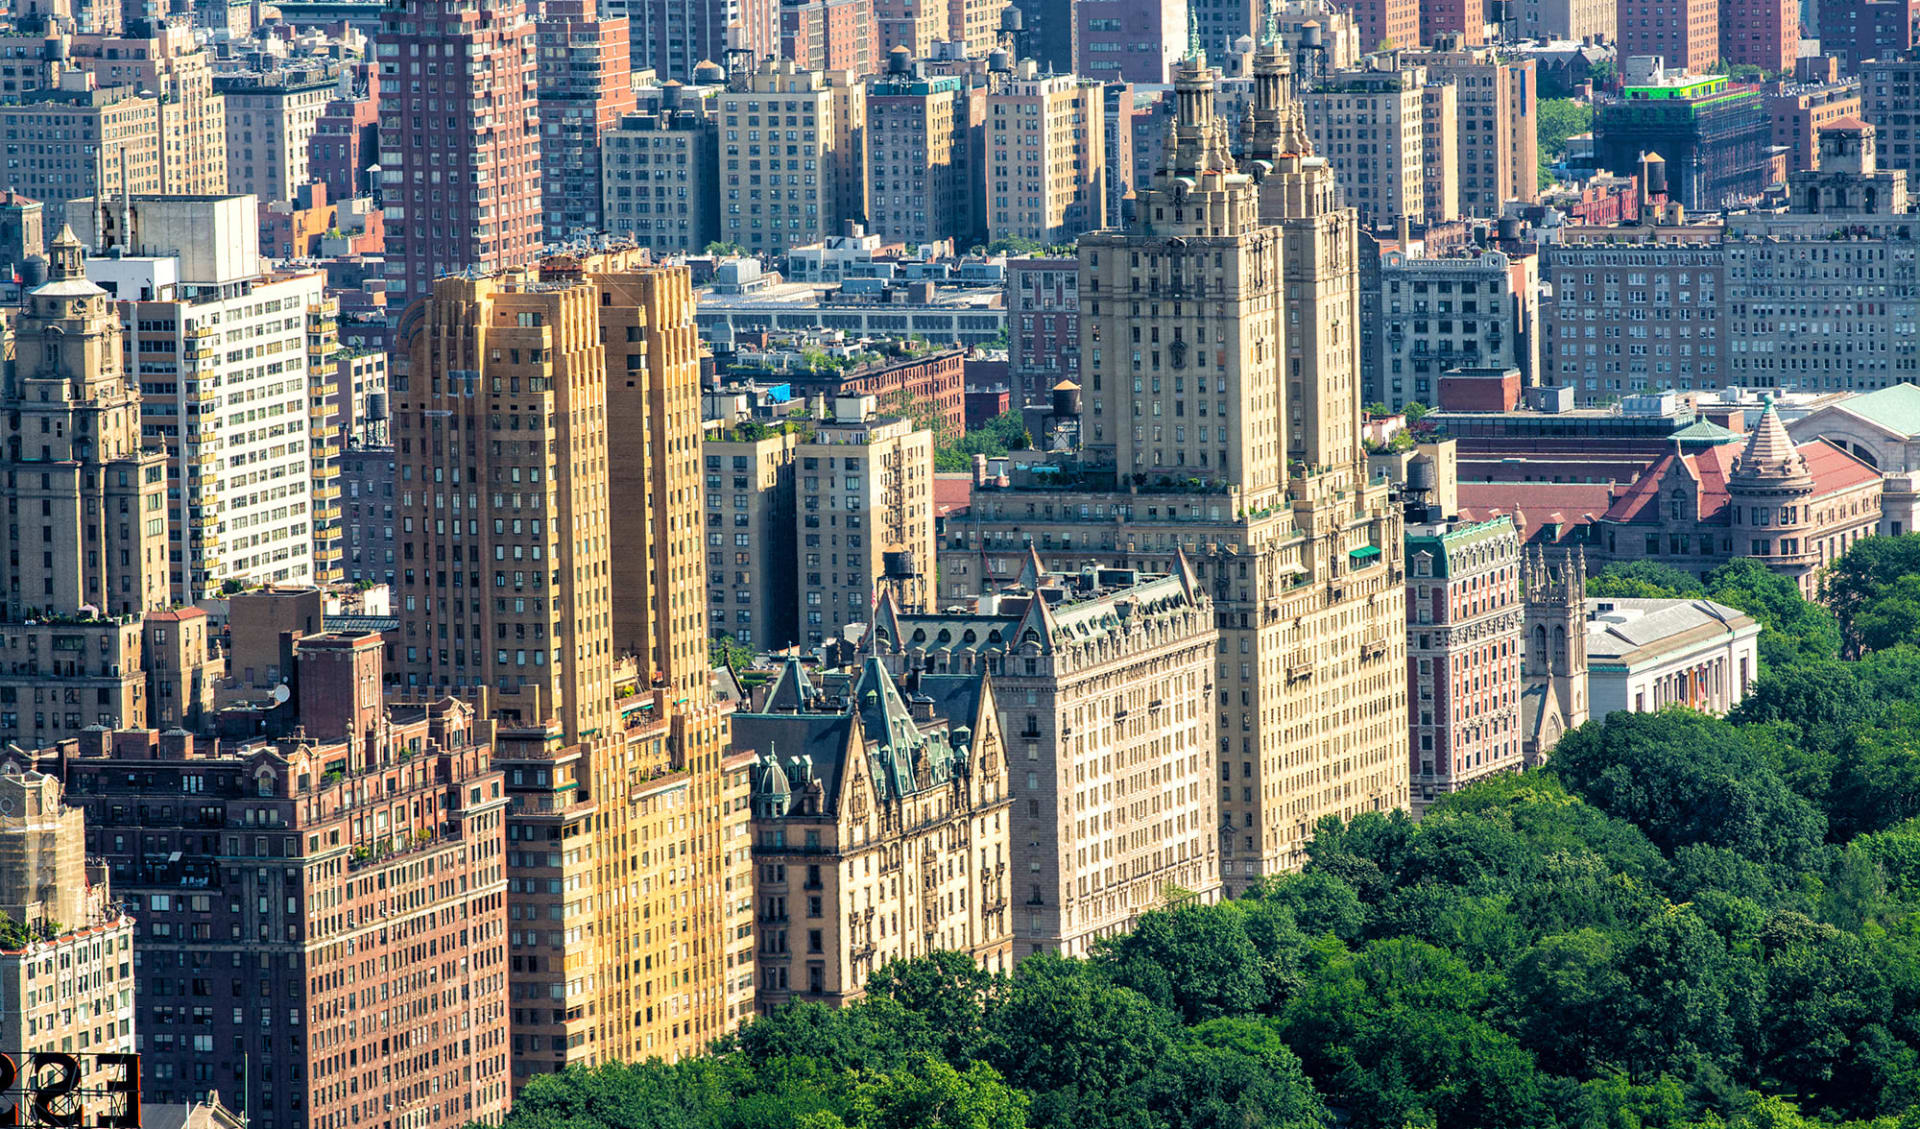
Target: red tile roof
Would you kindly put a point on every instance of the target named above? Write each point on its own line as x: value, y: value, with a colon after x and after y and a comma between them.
x: 1835, y: 469
x: 1711, y: 467
x: 1536, y: 505
x: 952, y: 493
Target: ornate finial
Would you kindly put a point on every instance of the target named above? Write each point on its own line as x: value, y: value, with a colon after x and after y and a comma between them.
x: 1194, y: 52
x: 1270, y: 32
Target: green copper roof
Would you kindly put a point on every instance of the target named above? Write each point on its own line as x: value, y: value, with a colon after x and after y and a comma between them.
x: 1897, y: 409
x: 1704, y: 432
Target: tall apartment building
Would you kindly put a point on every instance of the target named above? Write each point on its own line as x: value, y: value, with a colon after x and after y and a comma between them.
x: 974, y: 25
x: 1046, y: 157
x: 1685, y: 33
x: 906, y: 23
x: 1464, y: 633
x: 459, y: 141
x: 586, y: 84
x: 1371, y: 126
x: 880, y: 828
x: 850, y: 197
x: 1440, y: 156
x: 1043, y: 326
x: 66, y: 958
x: 1619, y: 294
x: 782, y: 159
x: 375, y: 843
x: 270, y: 120
x: 1568, y: 19
x: 222, y: 355
x: 1118, y: 127
x: 830, y: 35
x: 1384, y: 24
x: 1460, y: 21
x: 128, y: 156
x: 1888, y: 90
x: 1455, y: 311
x: 330, y: 412
x: 1822, y: 297
x: 863, y: 517
x: 660, y: 175
x: 1498, y: 132
x: 546, y: 563
x: 366, y: 518
x: 920, y: 174
x: 1760, y: 33
x: 1257, y: 475
x: 86, y: 541
x: 1857, y: 31
x: 751, y: 563
x: 674, y: 37
x: 166, y: 60
x: 524, y: 586
x: 345, y: 145
x: 1123, y: 41
x: 1798, y: 111
x: 1107, y: 715
x: 86, y: 494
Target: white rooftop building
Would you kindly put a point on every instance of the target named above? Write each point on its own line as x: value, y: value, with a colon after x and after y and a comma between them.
x: 1646, y: 655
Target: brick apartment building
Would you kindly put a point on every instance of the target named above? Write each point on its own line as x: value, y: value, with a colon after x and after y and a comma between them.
x: 322, y: 916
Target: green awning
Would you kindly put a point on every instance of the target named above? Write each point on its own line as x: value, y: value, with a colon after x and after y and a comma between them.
x: 1364, y: 553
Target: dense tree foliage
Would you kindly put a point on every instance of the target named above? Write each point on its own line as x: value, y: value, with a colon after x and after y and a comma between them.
x: 1682, y: 922
x: 999, y: 435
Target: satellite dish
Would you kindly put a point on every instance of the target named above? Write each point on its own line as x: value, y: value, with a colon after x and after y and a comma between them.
x: 281, y: 694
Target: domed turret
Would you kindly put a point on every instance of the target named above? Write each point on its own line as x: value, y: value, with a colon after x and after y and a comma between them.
x: 772, y: 795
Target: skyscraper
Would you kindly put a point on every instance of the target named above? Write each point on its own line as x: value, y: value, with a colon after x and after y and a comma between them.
x: 1046, y: 157
x: 235, y: 420
x: 1220, y: 382
x: 537, y: 560
x: 1685, y: 33
x: 459, y: 140
x: 585, y: 86
x: 87, y: 498
x: 675, y: 36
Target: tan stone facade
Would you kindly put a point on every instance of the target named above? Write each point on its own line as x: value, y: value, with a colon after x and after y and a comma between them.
x: 862, y: 516
x: 67, y: 985
x: 750, y: 537
x: 89, y: 520
x: 1372, y: 126
x: 880, y: 828
x: 781, y: 195
x: 1257, y: 475
x: 557, y: 413
x: 1110, y: 741
x: 1499, y: 141
x: 1046, y: 158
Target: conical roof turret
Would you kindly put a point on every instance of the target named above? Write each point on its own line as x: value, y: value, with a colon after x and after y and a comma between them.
x: 1770, y: 452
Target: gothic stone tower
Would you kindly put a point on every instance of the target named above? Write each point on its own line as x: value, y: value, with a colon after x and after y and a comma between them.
x: 1553, y: 698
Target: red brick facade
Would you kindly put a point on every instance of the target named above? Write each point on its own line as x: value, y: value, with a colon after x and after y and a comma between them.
x: 322, y: 919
